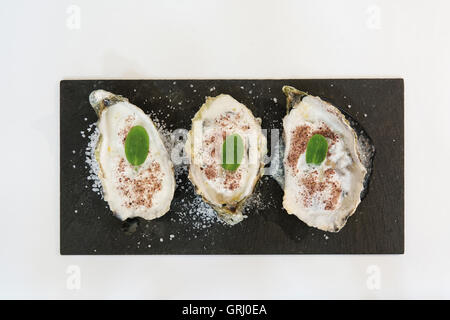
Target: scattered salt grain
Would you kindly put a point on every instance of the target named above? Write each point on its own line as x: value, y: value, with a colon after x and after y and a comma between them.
x: 91, y: 161
x: 194, y: 213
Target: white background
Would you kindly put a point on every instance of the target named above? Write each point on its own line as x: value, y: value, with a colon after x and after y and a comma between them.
x: 219, y: 39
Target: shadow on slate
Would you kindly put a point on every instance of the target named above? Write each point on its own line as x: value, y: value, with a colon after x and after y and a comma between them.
x: 377, y: 226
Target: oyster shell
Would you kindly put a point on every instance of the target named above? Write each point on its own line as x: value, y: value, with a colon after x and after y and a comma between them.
x: 323, y: 196
x: 131, y: 191
x: 226, y: 191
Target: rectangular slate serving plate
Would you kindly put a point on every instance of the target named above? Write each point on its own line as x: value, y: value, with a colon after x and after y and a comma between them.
x: 377, y: 227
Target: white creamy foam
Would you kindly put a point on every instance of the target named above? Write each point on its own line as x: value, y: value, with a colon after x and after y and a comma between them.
x: 114, y: 124
x: 346, y: 173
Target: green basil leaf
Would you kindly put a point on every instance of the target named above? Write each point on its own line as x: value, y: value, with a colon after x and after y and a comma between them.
x: 137, y: 145
x: 317, y: 149
x: 232, y: 152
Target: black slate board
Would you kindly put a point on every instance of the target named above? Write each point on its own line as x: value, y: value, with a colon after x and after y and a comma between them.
x: 377, y: 227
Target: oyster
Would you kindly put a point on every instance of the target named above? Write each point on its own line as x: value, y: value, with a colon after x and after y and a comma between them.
x: 131, y: 191
x: 323, y: 196
x: 219, y: 119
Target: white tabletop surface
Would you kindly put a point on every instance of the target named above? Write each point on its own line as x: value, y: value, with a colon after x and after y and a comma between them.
x: 46, y: 41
